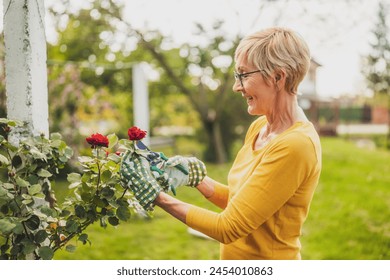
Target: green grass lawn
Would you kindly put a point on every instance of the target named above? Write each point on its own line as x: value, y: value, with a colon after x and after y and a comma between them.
x: 349, y: 217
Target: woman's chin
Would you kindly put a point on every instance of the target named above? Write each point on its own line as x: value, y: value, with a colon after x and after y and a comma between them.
x: 252, y: 111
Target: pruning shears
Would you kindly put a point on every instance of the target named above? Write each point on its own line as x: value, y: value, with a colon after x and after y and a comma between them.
x: 158, y: 159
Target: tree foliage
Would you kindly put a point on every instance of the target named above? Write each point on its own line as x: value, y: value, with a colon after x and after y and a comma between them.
x: 377, y: 64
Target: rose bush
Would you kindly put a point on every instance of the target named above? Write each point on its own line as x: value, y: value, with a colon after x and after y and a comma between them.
x: 32, y: 224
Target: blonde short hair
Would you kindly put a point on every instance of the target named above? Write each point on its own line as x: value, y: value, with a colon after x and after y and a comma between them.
x: 274, y: 49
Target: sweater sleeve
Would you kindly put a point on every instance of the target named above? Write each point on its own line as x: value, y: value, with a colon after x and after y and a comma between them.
x: 221, y: 195
x: 274, y: 180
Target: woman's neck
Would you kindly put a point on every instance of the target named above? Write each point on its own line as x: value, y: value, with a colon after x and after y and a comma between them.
x: 284, y: 116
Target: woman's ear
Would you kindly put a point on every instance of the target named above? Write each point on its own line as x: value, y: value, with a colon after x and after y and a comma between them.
x: 279, y: 78
x: 279, y: 75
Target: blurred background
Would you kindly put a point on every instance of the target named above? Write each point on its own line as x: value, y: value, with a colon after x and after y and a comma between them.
x: 185, y: 51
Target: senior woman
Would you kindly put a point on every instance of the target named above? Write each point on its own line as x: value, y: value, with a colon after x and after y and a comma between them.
x: 272, y: 180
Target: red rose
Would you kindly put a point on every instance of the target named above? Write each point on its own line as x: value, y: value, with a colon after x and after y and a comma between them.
x: 97, y: 140
x: 135, y: 133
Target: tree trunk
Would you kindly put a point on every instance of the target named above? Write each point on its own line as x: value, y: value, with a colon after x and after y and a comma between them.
x: 216, y: 150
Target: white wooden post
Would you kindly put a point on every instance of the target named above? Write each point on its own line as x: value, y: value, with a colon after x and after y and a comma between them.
x: 141, y: 100
x: 25, y: 66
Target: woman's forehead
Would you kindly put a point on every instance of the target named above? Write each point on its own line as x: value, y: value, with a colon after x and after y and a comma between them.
x: 241, y: 62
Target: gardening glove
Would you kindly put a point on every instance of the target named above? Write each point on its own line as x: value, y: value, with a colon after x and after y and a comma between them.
x: 136, y: 174
x: 196, y: 171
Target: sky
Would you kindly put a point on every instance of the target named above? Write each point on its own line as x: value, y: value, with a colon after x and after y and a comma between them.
x: 338, y: 32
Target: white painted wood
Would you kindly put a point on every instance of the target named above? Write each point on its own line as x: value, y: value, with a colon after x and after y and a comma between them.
x: 141, y: 100
x: 25, y: 66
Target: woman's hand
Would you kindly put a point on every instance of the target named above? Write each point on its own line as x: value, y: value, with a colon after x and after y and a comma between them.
x: 136, y: 175
x: 194, y: 171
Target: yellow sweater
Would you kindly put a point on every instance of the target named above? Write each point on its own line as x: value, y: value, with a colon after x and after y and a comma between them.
x: 267, y: 198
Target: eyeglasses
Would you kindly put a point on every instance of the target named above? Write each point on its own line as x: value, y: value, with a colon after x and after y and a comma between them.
x: 240, y: 76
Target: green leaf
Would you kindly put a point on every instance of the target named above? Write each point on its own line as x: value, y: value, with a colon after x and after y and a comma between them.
x: 3, y: 160
x: 71, y: 226
x: 21, y: 183
x: 28, y: 246
x: 70, y: 248
x: 114, y: 157
x: 8, y: 186
x: 26, y: 196
x: 123, y: 213
x: 16, y: 249
x: 103, y: 223
x: 33, y: 222
x: 55, y: 136
x: 48, y: 211
x: 114, y: 221
x: 6, y: 226
x: 40, y: 236
x: 39, y: 195
x: 3, y: 191
x: 113, y: 140
x: 74, y: 177
x: 11, y: 122
x: 86, y: 177
x: 44, y: 173
x: 107, y: 192
x: 63, y: 159
x: 91, y: 214
x: 74, y: 185
x: 34, y: 189
x: 68, y: 152
x: 37, y: 154
x: 100, y: 202
x: 83, y: 238
x: 106, y: 175
x: 17, y: 161
x: 57, y: 143
x: 18, y: 229
x: 85, y: 159
x: 80, y: 211
x: 4, y: 248
x: 27, y: 201
x: 32, y: 179
x: 46, y: 253
x: 65, y: 213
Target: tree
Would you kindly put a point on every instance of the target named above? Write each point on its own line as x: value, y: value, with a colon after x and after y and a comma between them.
x: 377, y: 64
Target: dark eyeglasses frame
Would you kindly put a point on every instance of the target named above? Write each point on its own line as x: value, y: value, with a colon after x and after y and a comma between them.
x: 239, y: 76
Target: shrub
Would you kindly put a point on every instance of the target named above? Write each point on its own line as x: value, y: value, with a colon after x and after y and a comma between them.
x: 32, y: 224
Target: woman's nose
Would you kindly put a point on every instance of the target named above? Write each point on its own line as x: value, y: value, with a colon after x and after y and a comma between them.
x: 237, y: 86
